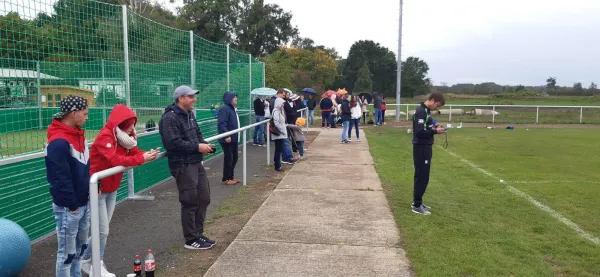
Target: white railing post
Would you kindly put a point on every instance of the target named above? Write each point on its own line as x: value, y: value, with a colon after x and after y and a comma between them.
x: 494, y: 114
x: 95, y: 225
x: 244, y: 179
x: 581, y: 115
x: 450, y: 115
x: 264, y: 75
x: 131, y: 188
x: 537, y: 114
x: 268, y: 143
x: 306, y: 121
x: 406, y: 112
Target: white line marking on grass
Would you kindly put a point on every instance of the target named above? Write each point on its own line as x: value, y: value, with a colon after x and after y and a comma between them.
x: 552, y: 182
x: 531, y: 200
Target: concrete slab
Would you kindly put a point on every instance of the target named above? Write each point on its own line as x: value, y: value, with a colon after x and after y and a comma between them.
x: 324, y: 216
x: 245, y: 258
x: 309, y: 176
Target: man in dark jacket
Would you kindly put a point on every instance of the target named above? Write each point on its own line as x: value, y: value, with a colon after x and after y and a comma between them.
x: 259, y: 114
x: 346, y: 116
x: 182, y: 139
x: 422, y: 148
x: 68, y: 172
x: 311, y: 104
x: 377, y: 101
x: 326, y: 104
x: 228, y: 120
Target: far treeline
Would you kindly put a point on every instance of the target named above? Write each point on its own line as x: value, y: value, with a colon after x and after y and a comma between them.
x: 550, y: 88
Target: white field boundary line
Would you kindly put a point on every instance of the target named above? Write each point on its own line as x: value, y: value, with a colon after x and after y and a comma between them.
x: 536, y: 203
x: 552, y: 182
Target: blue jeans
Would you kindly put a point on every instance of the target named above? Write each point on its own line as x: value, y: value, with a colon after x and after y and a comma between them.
x: 345, y: 124
x: 353, y: 122
x: 106, y: 207
x: 378, y: 117
x: 258, y: 131
x: 286, y: 155
x: 300, y: 145
x: 72, y: 234
x: 311, y: 117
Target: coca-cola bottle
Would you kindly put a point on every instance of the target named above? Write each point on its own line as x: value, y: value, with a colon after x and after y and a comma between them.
x: 137, y: 266
x: 149, y: 264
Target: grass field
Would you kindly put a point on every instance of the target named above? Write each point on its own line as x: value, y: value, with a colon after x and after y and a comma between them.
x: 481, y: 227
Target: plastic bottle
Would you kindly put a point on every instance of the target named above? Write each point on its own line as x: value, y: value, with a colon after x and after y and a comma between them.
x: 137, y: 266
x: 149, y: 264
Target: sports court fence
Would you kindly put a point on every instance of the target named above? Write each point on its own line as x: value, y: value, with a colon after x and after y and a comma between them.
x: 108, y: 55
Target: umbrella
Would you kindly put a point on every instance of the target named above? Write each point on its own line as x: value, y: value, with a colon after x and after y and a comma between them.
x: 329, y: 93
x: 342, y: 91
x: 288, y: 91
x: 263, y: 92
x: 367, y: 96
x: 308, y: 90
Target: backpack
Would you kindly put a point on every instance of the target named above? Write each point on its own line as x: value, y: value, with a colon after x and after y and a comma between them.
x: 273, y: 129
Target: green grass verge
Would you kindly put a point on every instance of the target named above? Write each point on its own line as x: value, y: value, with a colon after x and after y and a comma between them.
x: 478, y: 226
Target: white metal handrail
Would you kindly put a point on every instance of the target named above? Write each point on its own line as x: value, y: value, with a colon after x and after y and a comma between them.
x: 96, y: 177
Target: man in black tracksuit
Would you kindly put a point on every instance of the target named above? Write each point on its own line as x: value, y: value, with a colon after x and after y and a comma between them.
x: 422, y: 148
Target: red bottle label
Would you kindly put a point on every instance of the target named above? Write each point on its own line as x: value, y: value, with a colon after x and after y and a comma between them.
x: 137, y: 267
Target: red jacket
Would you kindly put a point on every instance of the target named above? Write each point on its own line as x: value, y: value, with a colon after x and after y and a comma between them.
x: 107, y: 153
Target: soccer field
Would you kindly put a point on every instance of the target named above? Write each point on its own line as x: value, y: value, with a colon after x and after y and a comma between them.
x: 543, y: 220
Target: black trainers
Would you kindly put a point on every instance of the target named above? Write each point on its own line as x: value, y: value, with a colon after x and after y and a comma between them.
x: 198, y: 245
x: 420, y: 210
x: 206, y: 239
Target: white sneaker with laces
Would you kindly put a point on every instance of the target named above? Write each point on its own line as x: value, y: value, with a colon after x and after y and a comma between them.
x: 103, y: 271
x: 86, y: 266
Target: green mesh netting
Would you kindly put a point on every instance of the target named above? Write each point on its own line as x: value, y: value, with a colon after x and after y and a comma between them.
x: 52, y: 48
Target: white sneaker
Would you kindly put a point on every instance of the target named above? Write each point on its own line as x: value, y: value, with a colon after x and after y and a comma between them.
x: 103, y: 271
x: 86, y: 266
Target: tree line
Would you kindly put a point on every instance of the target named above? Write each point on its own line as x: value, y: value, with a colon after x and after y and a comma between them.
x: 549, y: 88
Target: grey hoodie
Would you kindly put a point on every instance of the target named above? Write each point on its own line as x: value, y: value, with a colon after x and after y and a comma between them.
x: 279, y: 119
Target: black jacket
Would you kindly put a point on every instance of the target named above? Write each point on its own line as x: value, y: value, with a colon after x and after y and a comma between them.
x: 423, y: 126
x: 346, y: 112
x: 180, y: 136
x: 259, y: 107
x: 326, y: 104
x: 290, y: 113
x: 298, y: 105
x: 311, y: 104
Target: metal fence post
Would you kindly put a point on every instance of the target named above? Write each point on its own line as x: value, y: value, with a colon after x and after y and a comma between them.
x: 126, y: 56
x: 193, y: 68
x: 95, y: 226
x: 103, y: 90
x: 227, y: 66
x: 264, y: 75
x: 39, y: 93
x: 537, y: 114
x: 581, y: 115
x: 244, y: 180
x: 494, y: 114
x: 407, y: 112
x: 268, y: 143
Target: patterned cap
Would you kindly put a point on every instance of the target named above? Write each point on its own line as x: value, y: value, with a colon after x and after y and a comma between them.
x: 71, y: 104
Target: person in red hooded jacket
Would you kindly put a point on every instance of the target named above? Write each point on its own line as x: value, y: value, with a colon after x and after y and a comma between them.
x: 115, y: 145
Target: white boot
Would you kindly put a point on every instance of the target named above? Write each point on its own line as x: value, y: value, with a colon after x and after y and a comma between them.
x: 103, y: 271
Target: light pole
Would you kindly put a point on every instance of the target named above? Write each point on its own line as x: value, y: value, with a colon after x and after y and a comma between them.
x: 399, y: 70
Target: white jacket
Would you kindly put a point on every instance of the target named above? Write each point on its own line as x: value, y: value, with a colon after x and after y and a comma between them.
x: 356, y: 111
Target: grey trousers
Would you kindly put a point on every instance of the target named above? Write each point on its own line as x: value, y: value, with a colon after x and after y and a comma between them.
x: 194, y: 196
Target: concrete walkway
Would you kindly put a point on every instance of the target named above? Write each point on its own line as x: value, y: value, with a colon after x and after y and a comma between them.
x: 327, y: 217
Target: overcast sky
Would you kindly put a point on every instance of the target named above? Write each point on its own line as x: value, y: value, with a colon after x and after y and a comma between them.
x: 504, y: 41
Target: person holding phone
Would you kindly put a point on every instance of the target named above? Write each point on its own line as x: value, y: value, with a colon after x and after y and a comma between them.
x: 115, y: 145
x: 424, y: 130
x: 185, y: 146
